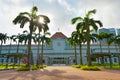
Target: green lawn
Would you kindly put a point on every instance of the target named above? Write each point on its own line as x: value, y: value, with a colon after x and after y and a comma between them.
x: 114, y: 66
x: 22, y: 67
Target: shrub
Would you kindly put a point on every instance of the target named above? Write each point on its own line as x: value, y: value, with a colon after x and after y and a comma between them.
x: 90, y: 68
x: 23, y: 68
x: 34, y: 67
x: 42, y: 66
x: 26, y: 68
x: 76, y: 66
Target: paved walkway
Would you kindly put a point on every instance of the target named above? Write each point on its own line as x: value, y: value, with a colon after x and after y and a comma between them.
x: 60, y: 73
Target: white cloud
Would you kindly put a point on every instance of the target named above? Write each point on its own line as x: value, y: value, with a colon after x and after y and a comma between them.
x: 60, y: 13
x: 66, y: 5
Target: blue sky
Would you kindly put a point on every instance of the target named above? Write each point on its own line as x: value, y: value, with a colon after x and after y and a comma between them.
x: 60, y: 13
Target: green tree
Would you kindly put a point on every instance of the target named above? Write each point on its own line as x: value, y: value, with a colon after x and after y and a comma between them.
x: 100, y: 37
x: 3, y: 38
x: 38, y: 41
x: 87, y: 23
x: 33, y: 19
x: 72, y: 41
x: 109, y: 37
x: 117, y: 42
x: 79, y: 38
x: 12, y: 38
x: 44, y: 40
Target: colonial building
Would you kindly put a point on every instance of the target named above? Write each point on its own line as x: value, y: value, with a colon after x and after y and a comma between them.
x: 59, y: 52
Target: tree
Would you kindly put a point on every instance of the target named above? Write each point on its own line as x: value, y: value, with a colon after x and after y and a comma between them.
x: 12, y: 38
x: 3, y: 38
x: 79, y: 38
x: 87, y: 23
x: 72, y: 41
x: 44, y: 40
x: 100, y: 37
x: 117, y: 42
x: 109, y: 38
x: 33, y: 19
x: 37, y: 38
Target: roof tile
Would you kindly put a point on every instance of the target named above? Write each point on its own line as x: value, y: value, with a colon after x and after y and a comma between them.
x: 59, y: 35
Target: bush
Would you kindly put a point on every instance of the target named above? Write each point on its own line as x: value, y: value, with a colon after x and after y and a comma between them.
x: 34, y: 67
x: 76, y: 66
x: 23, y: 68
x: 26, y: 68
x: 90, y: 68
x: 42, y: 66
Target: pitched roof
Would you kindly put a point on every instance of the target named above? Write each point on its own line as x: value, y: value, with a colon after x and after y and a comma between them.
x: 58, y: 35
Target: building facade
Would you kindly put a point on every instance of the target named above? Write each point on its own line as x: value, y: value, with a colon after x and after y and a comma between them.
x: 59, y: 52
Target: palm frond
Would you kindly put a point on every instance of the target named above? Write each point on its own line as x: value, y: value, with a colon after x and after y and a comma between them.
x: 34, y: 9
x: 90, y: 13
x: 74, y: 20
x: 46, y: 19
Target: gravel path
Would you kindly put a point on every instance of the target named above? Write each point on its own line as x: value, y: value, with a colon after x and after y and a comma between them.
x: 60, y: 73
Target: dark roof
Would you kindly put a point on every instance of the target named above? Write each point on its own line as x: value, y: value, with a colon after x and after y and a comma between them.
x: 58, y: 35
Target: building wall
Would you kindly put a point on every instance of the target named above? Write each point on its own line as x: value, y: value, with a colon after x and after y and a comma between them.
x: 59, y: 50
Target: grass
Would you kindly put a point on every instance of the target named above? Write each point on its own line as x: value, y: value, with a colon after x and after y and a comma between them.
x: 107, y: 66
x: 3, y: 66
x: 96, y: 67
x: 85, y: 67
x: 22, y: 67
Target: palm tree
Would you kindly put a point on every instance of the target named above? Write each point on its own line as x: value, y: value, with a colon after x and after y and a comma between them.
x: 79, y: 40
x: 109, y: 38
x: 21, y: 38
x: 38, y: 40
x: 117, y: 42
x: 72, y: 41
x: 86, y: 24
x: 33, y: 20
x: 3, y: 38
x: 100, y: 37
x: 12, y: 38
x: 44, y: 40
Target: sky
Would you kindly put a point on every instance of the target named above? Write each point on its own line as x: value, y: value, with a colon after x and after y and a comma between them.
x: 60, y: 13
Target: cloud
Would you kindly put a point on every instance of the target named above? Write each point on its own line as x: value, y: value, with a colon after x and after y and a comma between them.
x: 66, y: 5
x: 60, y: 13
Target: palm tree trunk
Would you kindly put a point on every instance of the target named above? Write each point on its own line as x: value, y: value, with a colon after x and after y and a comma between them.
x: 88, y: 48
x: 81, y: 62
x: 110, y: 58
x: 1, y: 47
x: 42, y: 54
x: 119, y: 60
x: 75, y: 54
x: 38, y: 52
x: 8, y: 53
x: 17, y: 52
x: 29, y: 50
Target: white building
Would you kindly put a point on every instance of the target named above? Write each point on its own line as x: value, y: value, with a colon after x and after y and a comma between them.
x: 59, y: 52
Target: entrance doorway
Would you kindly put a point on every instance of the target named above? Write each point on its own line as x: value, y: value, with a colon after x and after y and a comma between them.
x: 59, y: 61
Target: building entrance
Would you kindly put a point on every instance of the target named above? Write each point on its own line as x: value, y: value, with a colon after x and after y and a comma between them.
x: 59, y: 61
